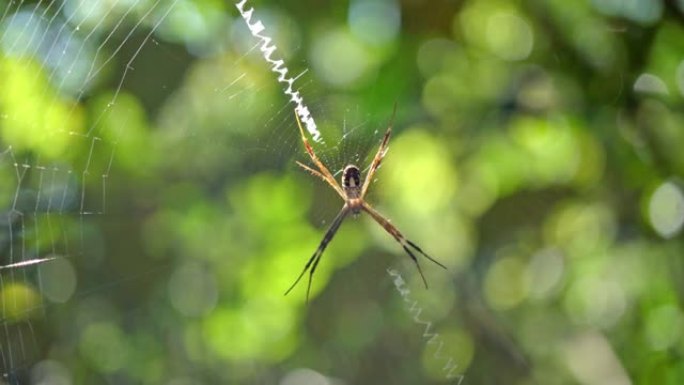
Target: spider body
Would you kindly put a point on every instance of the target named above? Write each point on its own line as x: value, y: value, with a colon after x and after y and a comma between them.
x: 351, y: 183
x: 353, y: 193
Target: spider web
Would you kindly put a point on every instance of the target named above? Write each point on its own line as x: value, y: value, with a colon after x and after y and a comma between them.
x: 57, y: 147
x: 56, y: 160
x: 62, y: 142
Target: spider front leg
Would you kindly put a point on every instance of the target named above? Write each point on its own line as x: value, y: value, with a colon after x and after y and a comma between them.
x: 316, y: 257
x: 316, y: 173
x: 324, y: 172
x: 399, y: 237
x: 382, y: 150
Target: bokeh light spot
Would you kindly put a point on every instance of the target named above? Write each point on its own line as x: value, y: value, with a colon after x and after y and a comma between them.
x: 104, y: 345
x: 505, y: 285
x: 666, y: 210
x: 87, y: 12
x: 304, y: 376
x: 433, y: 53
x: 19, y: 302
x: 260, y: 328
x: 125, y: 123
x: 58, y: 280
x: 39, y: 119
x: 194, y: 23
x: 581, y: 230
x: 599, y: 301
x: 374, y: 22
x: 497, y: 28
x: 595, y: 44
x: 640, y: 11
x: 192, y: 290
x: 592, y: 360
x: 50, y: 372
x: 550, y: 148
x: 509, y: 36
x: 440, y: 92
x: 186, y: 20
x: 650, y: 84
x: 664, y: 326
x: 339, y: 58
x: 419, y: 177
x: 546, y: 270
x: 68, y: 57
x: 17, y: 34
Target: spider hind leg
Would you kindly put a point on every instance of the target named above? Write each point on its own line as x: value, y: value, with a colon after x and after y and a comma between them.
x: 316, y: 257
x: 399, y: 237
x: 418, y: 249
x: 415, y: 260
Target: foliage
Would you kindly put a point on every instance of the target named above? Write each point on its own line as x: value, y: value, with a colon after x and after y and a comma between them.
x: 536, y: 152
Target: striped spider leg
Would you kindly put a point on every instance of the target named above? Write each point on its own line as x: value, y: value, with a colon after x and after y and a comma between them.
x: 323, y: 172
x: 353, y: 193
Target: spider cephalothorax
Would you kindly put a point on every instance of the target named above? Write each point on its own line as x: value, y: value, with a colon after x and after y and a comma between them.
x: 353, y: 193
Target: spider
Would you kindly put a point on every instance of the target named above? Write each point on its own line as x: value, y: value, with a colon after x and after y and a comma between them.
x: 353, y: 194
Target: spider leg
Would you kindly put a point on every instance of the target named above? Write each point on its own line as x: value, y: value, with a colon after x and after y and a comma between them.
x: 382, y: 150
x: 324, y: 170
x: 399, y: 237
x: 316, y: 173
x: 424, y: 254
x: 316, y: 257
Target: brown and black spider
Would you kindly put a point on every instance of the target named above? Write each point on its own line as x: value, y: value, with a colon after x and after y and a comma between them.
x: 353, y: 193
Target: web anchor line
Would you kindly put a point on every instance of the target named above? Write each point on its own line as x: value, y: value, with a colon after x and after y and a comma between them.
x: 433, y: 338
x: 267, y: 49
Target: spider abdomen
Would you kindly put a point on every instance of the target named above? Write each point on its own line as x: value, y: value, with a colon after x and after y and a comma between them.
x: 351, y: 181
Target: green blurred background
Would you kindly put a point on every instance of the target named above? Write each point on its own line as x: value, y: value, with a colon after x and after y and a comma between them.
x: 537, y: 152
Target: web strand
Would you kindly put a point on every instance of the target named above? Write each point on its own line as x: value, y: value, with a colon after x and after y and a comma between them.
x: 44, y: 219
